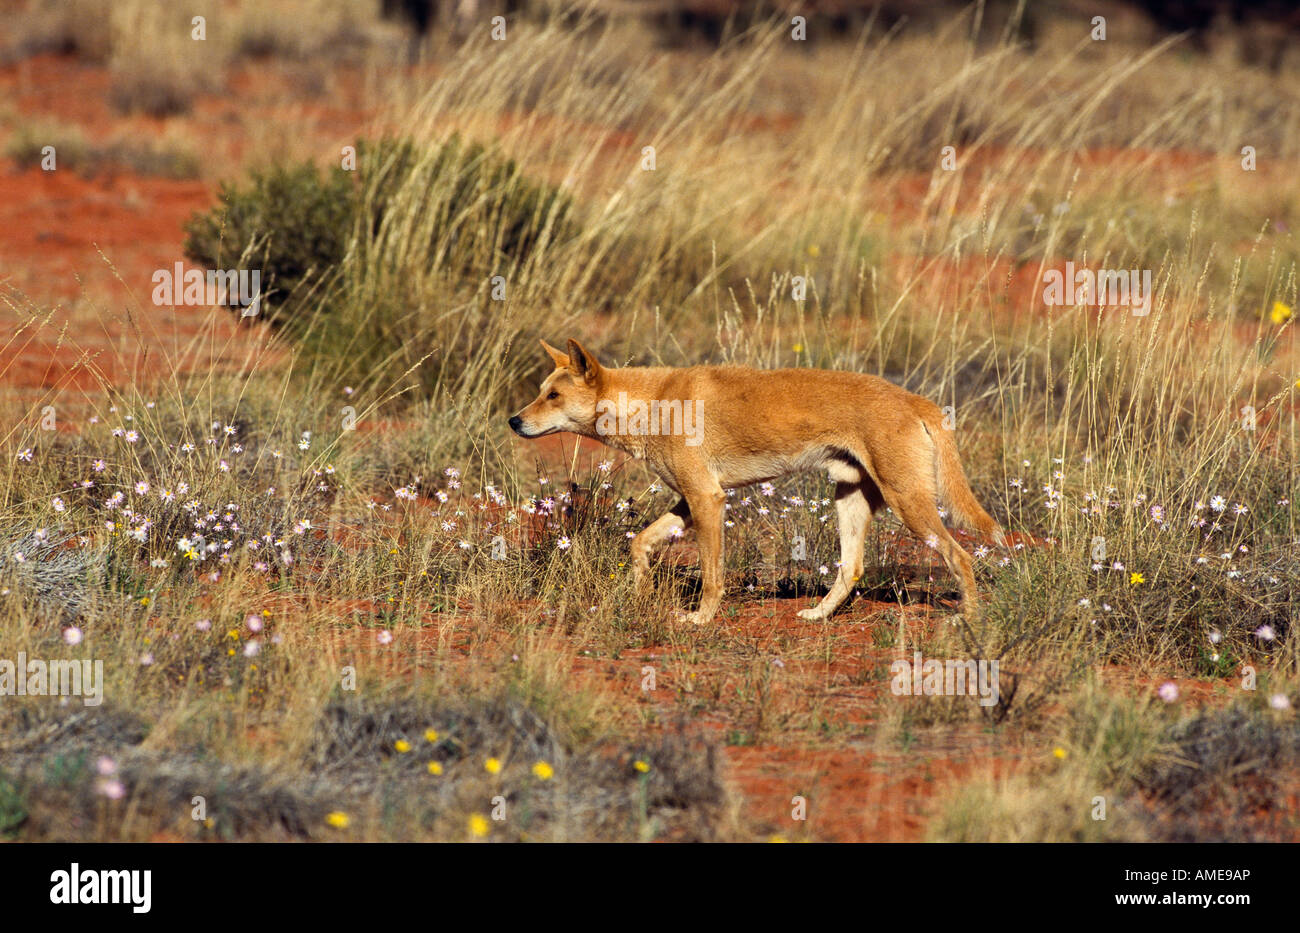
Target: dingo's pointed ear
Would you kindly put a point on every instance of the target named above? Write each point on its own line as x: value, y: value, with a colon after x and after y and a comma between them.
x: 582, y: 365
x: 558, y: 358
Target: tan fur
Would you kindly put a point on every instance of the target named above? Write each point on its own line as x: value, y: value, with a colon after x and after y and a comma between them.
x: 880, y: 444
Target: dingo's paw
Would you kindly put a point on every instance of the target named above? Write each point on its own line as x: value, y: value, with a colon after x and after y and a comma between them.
x: 815, y: 614
x: 694, y: 618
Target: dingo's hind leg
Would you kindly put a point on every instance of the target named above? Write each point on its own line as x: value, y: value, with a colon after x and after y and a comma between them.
x: 916, y: 508
x: 854, y: 504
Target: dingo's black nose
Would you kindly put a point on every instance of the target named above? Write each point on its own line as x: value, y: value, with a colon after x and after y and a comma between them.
x: 517, y: 424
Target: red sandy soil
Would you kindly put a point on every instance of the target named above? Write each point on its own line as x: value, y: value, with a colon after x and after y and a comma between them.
x: 71, y: 241
x: 88, y: 247
x: 856, y: 788
x: 853, y: 795
x: 1193, y: 692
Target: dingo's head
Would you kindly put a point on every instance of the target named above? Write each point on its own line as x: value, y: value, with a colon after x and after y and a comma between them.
x: 567, y: 399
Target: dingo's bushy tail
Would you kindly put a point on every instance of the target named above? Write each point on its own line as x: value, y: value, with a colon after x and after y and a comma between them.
x: 953, y: 488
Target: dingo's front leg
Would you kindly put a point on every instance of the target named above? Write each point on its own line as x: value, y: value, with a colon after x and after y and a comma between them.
x: 706, y: 513
x: 652, y: 536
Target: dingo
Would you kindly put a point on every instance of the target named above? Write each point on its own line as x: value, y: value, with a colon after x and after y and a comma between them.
x: 881, y: 445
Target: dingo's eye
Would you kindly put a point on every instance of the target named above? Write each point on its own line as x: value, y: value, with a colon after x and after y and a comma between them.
x: 553, y: 395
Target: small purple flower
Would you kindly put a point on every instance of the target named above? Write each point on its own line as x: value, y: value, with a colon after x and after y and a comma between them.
x: 111, y: 788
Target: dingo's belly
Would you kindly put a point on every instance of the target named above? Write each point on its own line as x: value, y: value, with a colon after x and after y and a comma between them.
x: 735, y: 471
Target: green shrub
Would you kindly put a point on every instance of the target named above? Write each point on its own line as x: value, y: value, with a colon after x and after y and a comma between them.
x: 27, y: 143
x: 13, y: 810
x: 143, y: 156
x: 160, y: 87
x: 292, y: 223
x: 462, y: 210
